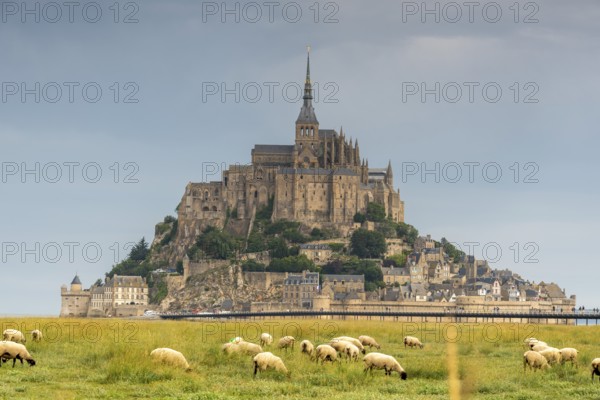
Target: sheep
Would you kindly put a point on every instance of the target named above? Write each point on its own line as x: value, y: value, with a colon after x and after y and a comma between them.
x: 285, y: 342
x: 568, y: 354
x: 352, y: 352
x: 552, y: 355
x: 13, y: 335
x: 325, y: 353
x: 595, y: 368
x: 237, y: 339
x: 385, y: 362
x: 369, y: 341
x: 250, y: 348
x: 230, y: 348
x: 339, y: 345
x: 37, y: 335
x: 354, y: 341
x: 171, y: 357
x: 266, y: 360
x: 540, y: 347
x: 412, y: 341
x: 15, y: 351
x: 534, y: 360
x: 307, y: 348
x: 537, y: 343
x: 266, y: 339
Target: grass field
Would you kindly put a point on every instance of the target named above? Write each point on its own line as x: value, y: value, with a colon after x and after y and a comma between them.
x: 109, y: 359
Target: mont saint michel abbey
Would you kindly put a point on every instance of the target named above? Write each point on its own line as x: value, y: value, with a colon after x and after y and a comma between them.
x: 320, y: 180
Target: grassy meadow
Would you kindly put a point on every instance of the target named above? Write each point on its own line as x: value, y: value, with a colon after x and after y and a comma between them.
x: 109, y: 359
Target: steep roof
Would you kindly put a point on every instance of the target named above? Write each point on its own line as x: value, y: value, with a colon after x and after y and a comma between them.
x: 76, y: 280
x: 273, y: 148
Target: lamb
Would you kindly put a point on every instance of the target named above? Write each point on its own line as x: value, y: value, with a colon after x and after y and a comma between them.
x: 354, y: 341
x: 412, y: 341
x: 15, y: 351
x: 595, y: 368
x: 37, y: 335
x: 266, y: 360
x: 352, y: 352
x: 266, y: 339
x: 537, y: 343
x: 540, y: 347
x: 250, y: 348
x: 13, y: 335
x: 534, y: 360
x: 552, y: 355
x: 568, y: 354
x: 385, y: 362
x: 307, y: 348
x: 171, y: 357
x: 369, y: 341
x: 286, y: 342
x: 326, y: 353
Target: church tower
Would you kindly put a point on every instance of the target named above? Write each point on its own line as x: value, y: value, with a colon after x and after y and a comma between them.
x: 307, y: 127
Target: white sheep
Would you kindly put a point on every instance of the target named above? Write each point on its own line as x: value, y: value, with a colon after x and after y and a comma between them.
x: 266, y: 360
x: 595, y: 368
x: 286, y: 342
x: 171, y: 357
x: 230, y: 348
x: 354, y: 341
x: 15, y: 351
x: 385, y: 362
x: 237, y: 339
x: 37, y: 335
x: 534, y: 360
x: 369, y: 341
x: 266, y: 339
x: 537, y: 343
x: 568, y: 354
x: 540, y: 347
x: 339, y: 345
x: 13, y: 335
x: 352, y: 352
x: 250, y: 348
x: 552, y: 355
x: 307, y: 348
x: 412, y: 341
x: 325, y: 353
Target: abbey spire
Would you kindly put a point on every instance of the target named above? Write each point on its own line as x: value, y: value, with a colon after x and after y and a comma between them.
x: 307, y: 112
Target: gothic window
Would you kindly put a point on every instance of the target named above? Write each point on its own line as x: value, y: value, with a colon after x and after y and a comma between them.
x: 206, y: 195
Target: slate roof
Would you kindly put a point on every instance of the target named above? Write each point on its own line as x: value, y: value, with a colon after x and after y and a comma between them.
x: 312, y: 246
x: 327, y: 133
x: 76, y: 280
x: 273, y: 148
x: 340, y: 277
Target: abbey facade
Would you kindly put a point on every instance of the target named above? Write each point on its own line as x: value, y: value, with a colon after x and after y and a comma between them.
x: 320, y: 180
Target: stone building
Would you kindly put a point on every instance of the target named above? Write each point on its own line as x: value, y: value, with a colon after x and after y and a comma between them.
x: 118, y: 296
x: 299, y: 289
x: 341, y: 287
x: 317, y: 253
x: 320, y: 180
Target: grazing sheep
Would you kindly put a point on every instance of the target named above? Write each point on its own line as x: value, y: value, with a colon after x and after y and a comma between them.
x: 534, y: 360
x: 552, y: 355
x: 230, y: 348
x: 266, y: 339
x: 15, y: 351
x: 352, y: 352
x: 369, y: 341
x: 354, y: 341
x: 339, y: 345
x: 308, y: 348
x: 266, y: 360
x: 36, y: 335
x: 250, y: 348
x: 385, y: 362
x: 540, y: 347
x: 13, y: 335
x: 568, y: 354
x: 237, y: 339
x: 595, y: 368
x: 171, y: 357
x: 537, y: 343
x: 412, y: 341
x: 326, y: 353
x: 285, y: 342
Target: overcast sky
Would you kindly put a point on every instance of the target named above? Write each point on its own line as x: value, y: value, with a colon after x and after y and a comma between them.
x: 112, y: 119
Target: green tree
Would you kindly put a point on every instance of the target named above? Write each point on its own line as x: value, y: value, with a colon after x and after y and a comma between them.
x: 278, y: 248
x: 253, y: 266
x: 407, y: 232
x: 216, y: 243
x: 396, y: 260
x: 360, y: 217
x: 139, y: 251
x: 375, y: 212
x: 368, y: 244
x: 291, y: 264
